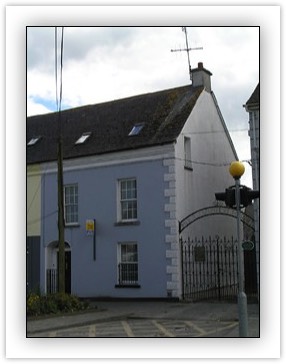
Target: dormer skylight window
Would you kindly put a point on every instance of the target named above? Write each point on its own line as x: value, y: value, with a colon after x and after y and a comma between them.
x: 136, y: 129
x: 33, y: 141
x: 83, y: 138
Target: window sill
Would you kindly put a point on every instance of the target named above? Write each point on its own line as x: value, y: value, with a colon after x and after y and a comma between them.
x: 124, y: 223
x: 127, y: 286
x: 188, y: 168
x: 72, y: 225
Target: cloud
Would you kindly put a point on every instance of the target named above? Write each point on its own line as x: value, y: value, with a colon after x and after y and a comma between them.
x: 35, y: 108
x: 40, y: 48
x: 107, y: 63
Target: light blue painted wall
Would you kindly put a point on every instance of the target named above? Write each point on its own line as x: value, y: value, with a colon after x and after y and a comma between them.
x: 97, y: 190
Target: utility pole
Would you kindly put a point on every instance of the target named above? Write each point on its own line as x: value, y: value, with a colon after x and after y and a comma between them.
x: 241, y: 196
x: 236, y: 169
x: 61, y: 223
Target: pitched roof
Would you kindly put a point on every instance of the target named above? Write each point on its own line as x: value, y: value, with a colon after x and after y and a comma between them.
x: 255, y: 97
x: 162, y: 114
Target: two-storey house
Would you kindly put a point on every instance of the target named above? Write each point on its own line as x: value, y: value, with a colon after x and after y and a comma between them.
x: 133, y: 168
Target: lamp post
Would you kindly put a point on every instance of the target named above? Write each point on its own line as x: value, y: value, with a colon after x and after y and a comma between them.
x: 236, y: 169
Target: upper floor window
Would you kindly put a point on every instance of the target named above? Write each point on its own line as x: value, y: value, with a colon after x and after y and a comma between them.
x: 71, y: 204
x: 83, y: 138
x: 128, y: 199
x: 136, y: 129
x: 33, y: 141
x: 187, y: 152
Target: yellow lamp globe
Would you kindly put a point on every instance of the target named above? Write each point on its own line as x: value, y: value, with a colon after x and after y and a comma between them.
x: 236, y: 169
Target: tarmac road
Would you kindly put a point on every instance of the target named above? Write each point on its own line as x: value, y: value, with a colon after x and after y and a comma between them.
x: 148, y: 319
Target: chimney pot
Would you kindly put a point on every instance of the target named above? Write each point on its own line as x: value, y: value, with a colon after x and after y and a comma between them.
x: 201, y: 77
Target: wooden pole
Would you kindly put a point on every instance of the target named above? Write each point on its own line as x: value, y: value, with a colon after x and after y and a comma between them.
x: 61, y: 224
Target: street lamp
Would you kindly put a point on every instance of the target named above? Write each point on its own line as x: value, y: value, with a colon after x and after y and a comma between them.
x: 236, y: 169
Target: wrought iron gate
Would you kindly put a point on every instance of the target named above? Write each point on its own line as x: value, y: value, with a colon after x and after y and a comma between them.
x: 209, y: 269
x: 210, y: 266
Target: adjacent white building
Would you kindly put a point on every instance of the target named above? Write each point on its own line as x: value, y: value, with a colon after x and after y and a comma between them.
x: 252, y: 106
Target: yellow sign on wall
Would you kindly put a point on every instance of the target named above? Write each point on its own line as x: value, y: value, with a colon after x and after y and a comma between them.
x: 89, y: 227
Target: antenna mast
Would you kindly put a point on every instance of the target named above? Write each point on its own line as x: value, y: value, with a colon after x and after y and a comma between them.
x: 187, y: 49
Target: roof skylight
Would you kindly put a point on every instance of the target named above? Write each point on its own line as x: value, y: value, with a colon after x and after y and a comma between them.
x: 136, y: 129
x: 83, y: 138
x: 33, y: 141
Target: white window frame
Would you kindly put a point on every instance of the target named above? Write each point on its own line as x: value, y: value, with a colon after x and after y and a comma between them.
x: 126, y: 201
x: 68, y: 204
x: 123, y: 263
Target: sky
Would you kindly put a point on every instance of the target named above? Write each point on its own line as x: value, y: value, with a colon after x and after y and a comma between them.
x: 109, y: 63
x: 237, y: 57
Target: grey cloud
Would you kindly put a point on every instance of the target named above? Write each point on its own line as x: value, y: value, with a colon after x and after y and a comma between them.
x: 231, y: 101
x: 78, y: 43
x: 40, y: 47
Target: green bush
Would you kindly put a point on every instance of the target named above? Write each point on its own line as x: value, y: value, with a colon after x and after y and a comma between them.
x: 33, y: 304
x: 53, y: 303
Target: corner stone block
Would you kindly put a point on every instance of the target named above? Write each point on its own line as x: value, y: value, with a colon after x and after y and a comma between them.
x: 171, y: 223
x: 169, y: 162
x: 169, y: 177
x: 170, y: 207
x: 171, y: 239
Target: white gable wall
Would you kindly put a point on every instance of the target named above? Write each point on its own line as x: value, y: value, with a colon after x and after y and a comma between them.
x: 211, y: 154
x: 191, y: 190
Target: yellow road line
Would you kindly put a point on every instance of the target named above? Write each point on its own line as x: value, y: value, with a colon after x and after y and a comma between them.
x: 92, y: 331
x: 197, y: 328
x: 162, y: 329
x: 127, y: 329
x: 231, y: 325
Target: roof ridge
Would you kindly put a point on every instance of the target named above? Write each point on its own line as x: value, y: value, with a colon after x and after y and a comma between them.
x: 112, y: 101
x: 163, y: 113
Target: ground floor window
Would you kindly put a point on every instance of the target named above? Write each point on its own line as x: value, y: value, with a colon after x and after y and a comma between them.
x: 127, y: 264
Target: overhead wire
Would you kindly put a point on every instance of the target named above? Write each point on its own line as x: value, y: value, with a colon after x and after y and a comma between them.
x: 56, y: 67
x: 210, y: 164
x: 203, y: 163
x: 216, y: 131
x: 61, y: 69
x: 58, y: 104
x: 30, y: 222
x: 59, y: 87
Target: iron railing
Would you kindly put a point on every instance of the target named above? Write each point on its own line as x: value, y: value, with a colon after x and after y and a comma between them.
x: 209, y: 269
x: 127, y: 273
x: 52, y: 280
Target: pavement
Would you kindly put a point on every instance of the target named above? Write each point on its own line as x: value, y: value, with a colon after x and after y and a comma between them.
x: 210, y: 319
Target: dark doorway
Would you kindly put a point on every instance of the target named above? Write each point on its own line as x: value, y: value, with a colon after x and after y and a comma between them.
x: 33, y: 263
x: 250, y: 273
x: 67, y: 271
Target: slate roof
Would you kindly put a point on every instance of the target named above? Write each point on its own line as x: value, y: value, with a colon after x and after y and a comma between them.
x: 255, y: 97
x: 163, y: 114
